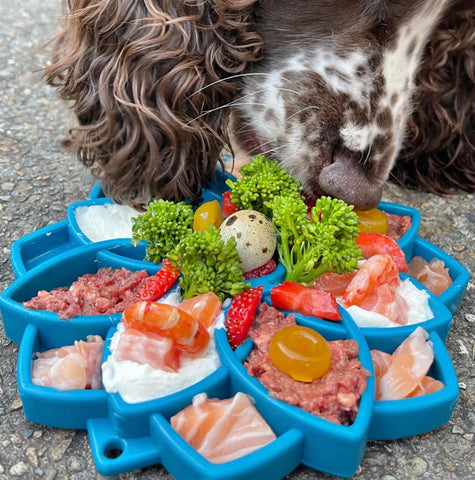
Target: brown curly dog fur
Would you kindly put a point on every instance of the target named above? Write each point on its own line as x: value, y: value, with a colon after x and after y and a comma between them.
x: 344, y: 93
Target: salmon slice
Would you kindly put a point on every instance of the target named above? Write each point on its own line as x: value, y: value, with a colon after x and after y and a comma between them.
x: 433, y: 275
x: 70, y: 367
x: 205, y: 308
x: 428, y: 385
x: 222, y: 430
x: 381, y: 363
x: 147, y: 348
x: 410, y: 364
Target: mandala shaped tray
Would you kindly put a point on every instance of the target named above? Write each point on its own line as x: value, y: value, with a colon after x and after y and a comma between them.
x: 126, y: 436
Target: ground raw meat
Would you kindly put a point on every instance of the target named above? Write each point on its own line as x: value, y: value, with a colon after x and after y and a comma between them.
x: 398, y: 225
x: 109, y: 291
x: 334, y: 397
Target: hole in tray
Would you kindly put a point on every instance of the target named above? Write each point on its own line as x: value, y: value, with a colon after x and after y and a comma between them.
x: 113, y: 450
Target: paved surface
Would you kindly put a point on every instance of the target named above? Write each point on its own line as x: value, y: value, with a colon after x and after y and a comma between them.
x: 38, y: 181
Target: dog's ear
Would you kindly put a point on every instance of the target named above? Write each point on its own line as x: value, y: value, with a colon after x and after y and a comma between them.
x: 439, y: 154
x: 149, y: 81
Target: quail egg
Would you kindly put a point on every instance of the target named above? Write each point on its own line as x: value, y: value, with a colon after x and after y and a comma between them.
x: 255, y: 237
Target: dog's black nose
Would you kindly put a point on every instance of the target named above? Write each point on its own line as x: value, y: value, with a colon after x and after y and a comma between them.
x: 346, y: 180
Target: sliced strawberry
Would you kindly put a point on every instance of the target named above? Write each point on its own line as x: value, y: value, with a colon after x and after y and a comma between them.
x: 265, y: 269
x: 155, y: 287
x: 379, y: 244
x: 228, y: 207
x: 241, y: 314
x: 295, y: 297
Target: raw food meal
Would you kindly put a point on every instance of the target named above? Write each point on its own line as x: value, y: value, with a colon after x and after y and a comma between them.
x: 433, y: 275
x: 108, y: 291
x: 160, y: 348
x: 223, y: 430
x: 375, y: 296
x: 70, y: 367
x: 403, y: 374
x: 334, y: 397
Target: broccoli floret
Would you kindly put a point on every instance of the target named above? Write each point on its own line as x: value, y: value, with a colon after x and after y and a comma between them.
x: 208, y: 264
x: 262, y: 180
x: 307, y: 248
x: 164, y: 225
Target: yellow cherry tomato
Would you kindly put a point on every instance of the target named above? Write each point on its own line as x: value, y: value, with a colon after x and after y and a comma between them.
x: 372, y: 221
x: 300, y: 352
x: 207, y: 214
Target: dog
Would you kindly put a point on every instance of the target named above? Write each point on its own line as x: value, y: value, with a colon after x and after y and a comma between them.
x: 343, y: 93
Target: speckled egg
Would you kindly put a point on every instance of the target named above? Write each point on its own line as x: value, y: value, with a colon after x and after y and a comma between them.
x: 255, y: 237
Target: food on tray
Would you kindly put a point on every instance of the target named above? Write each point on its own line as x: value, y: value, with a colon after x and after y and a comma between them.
x: 207, y: 214
x: 223, y: 430
x: 403, y: 373
x: 375, y: 220
x: 334, y: 397
x: 398, y: 225
x: 433, y: 275
x: 309, y: 247
x: 261, y: 181
x: 295, y: 297
x: 159, y: 349
x: 108, y: 291
x: 376, y: 243
x: 187, y: 333
x: 208, y: 264
x: 241, y: 314
x: 254, y: 235
x: 258, y: 272
x: 372, y: 220
x: 163, y: 226
x: 154, y: 287
x: 105, y: 222
x: 300, y: 352
x: 376, y: 297
x: 205, y: 308
x: 70, y: 367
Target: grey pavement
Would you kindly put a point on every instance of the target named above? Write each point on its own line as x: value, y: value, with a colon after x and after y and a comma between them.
x: 37, y: 182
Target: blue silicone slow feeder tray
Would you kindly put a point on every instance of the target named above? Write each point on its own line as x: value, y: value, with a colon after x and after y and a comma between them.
x: 126, y: 436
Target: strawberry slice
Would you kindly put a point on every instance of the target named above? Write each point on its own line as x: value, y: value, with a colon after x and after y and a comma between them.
x: 380, y: 244
x: 241, y: 314
x: 156, y: 286
x: 295, y: 297
x: 228, y: 207
x: 265, y: 269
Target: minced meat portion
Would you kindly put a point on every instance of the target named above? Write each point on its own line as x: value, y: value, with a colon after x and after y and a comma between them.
x: 109, y: 291
x: 334, y: 397
x: 398, y: 225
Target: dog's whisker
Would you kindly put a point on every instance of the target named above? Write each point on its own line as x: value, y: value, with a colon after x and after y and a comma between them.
x: 310, y: 107
x: 233, y: 77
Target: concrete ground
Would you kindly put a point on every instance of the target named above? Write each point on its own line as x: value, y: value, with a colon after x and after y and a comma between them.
x: 37, y: 182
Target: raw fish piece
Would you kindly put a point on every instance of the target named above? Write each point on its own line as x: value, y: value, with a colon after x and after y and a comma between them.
x: 222, y: 430
x: 147, y: 348
x: 428, y: 385
x: 433, y: 275
x: 410, y: 363
x: 71, y: 367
